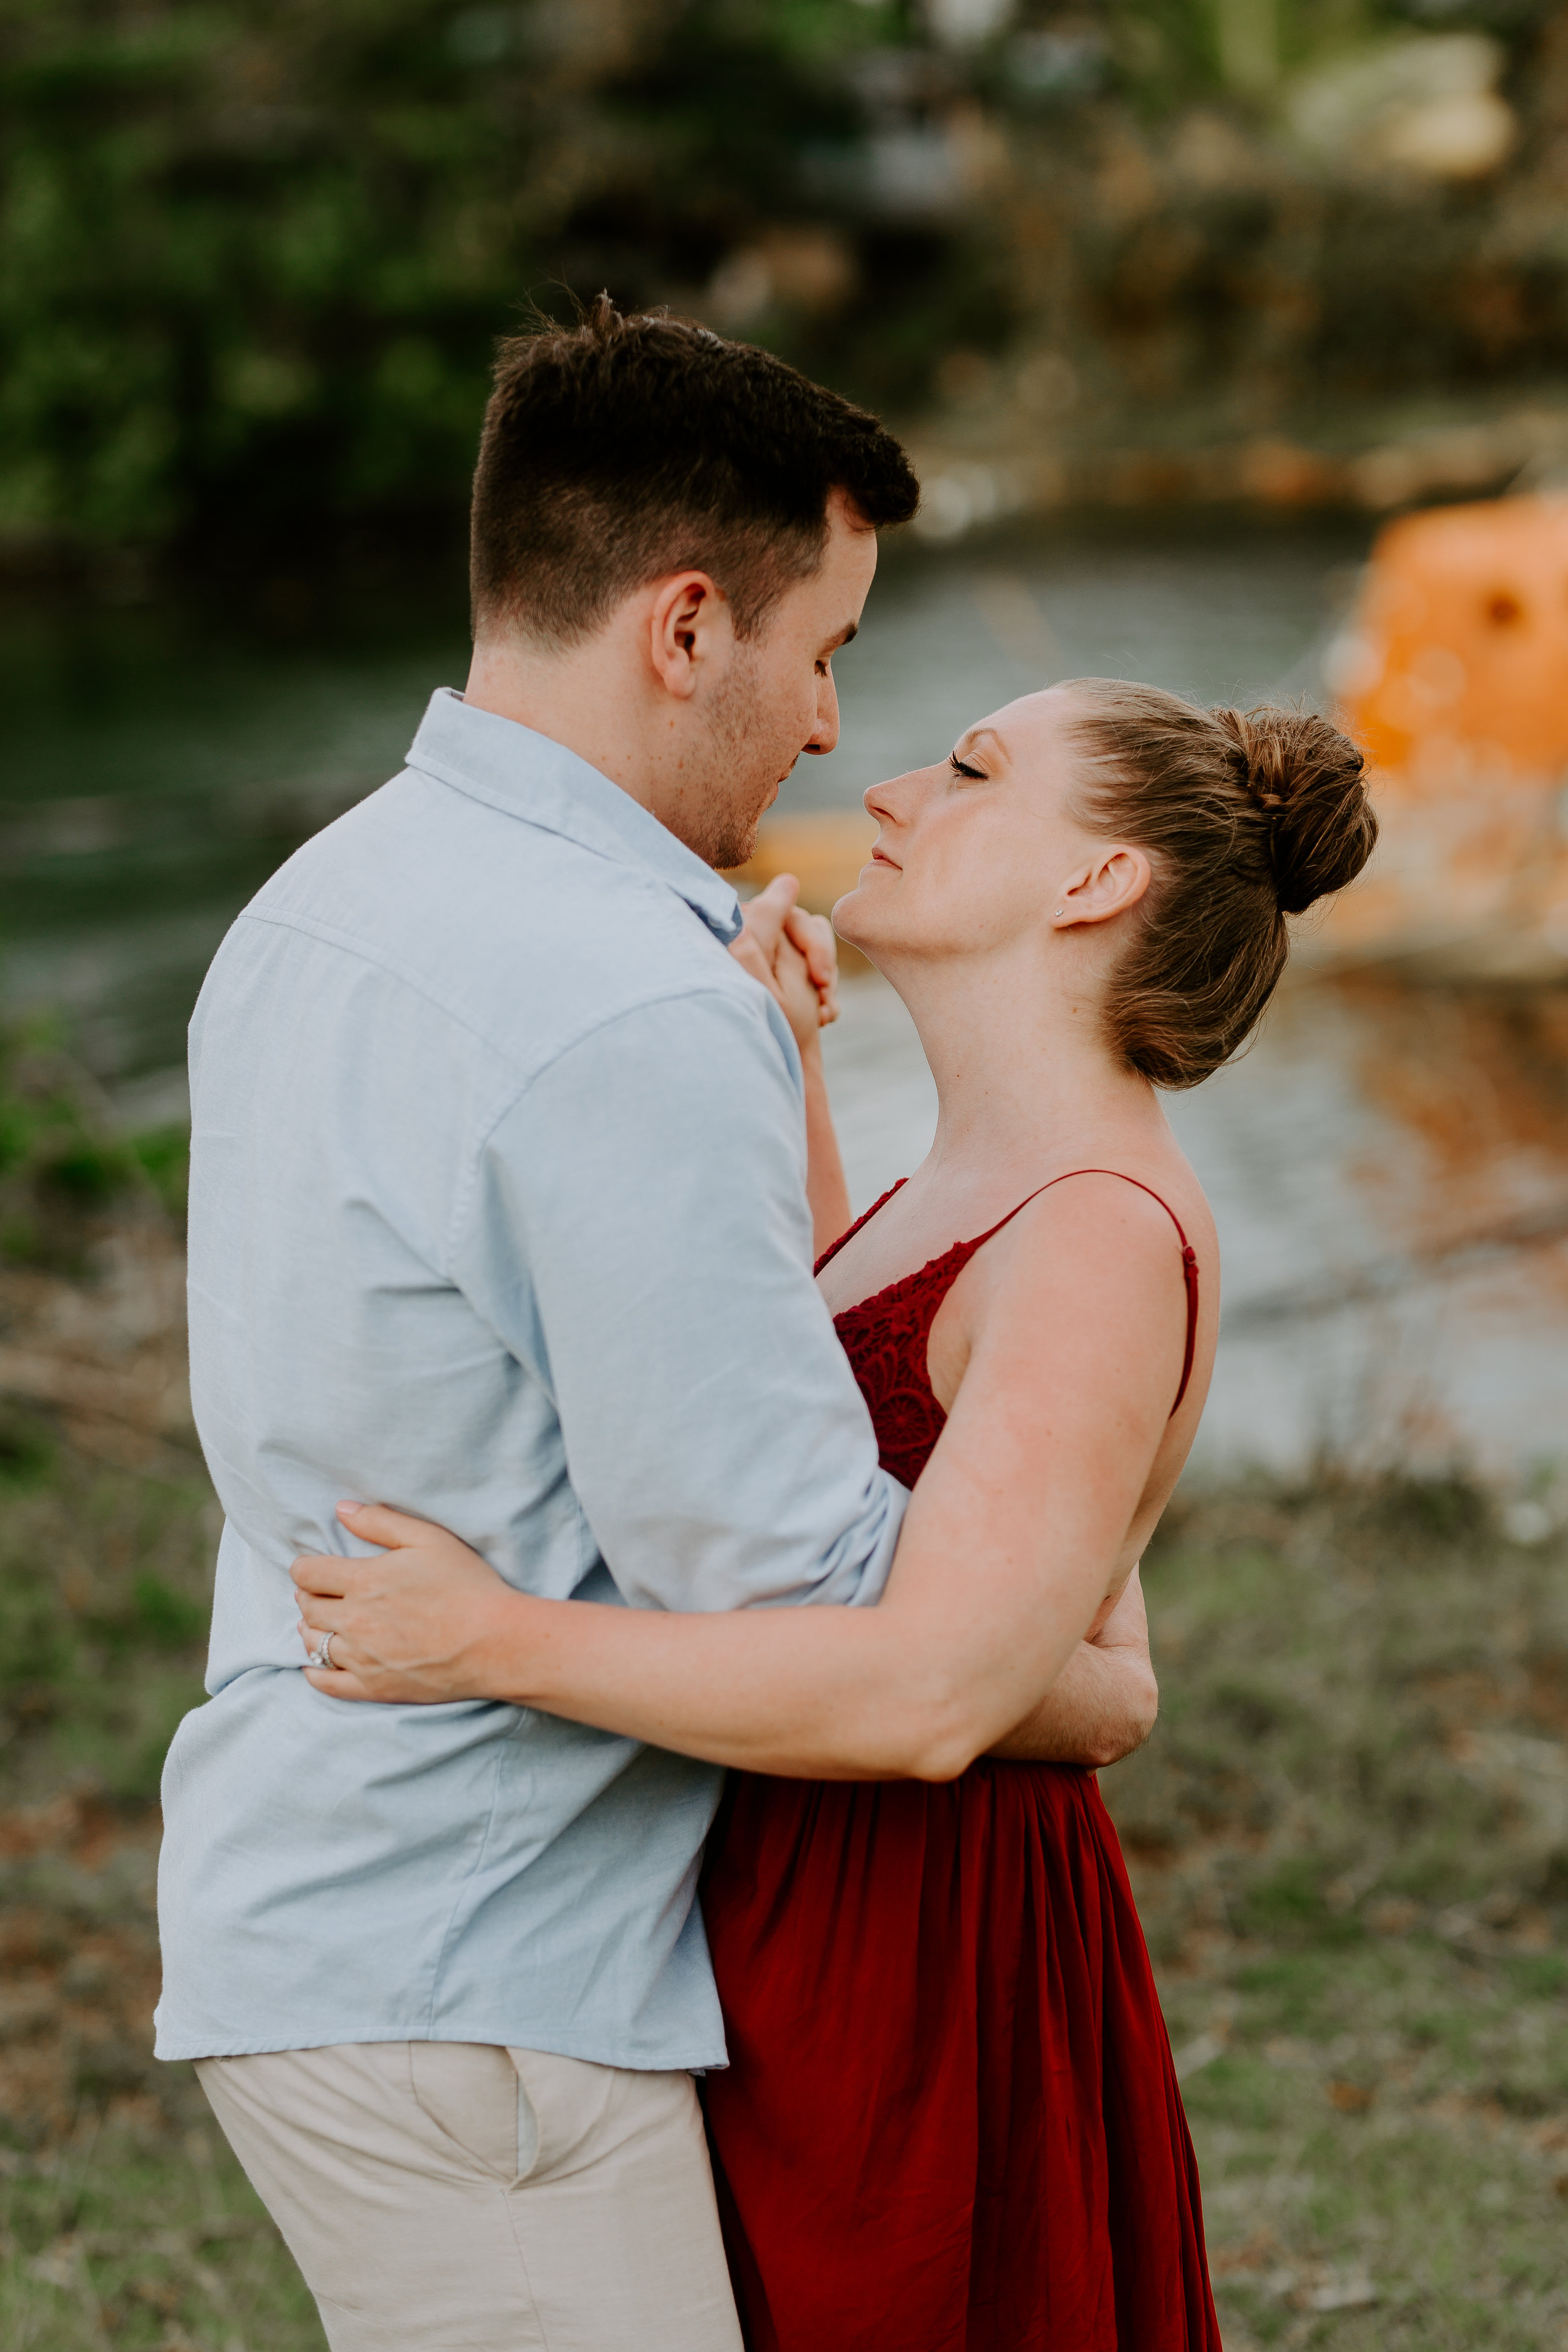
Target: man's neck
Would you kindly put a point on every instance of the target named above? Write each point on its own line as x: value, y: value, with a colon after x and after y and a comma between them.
x: 578, y: 695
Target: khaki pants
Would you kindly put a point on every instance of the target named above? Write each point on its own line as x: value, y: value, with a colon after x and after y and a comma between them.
x: 452, y: 2196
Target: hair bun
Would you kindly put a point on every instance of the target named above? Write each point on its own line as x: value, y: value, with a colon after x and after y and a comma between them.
x: 1307, y: 783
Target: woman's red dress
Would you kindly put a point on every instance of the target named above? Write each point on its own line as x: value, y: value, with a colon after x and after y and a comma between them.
x: 950, y: 2122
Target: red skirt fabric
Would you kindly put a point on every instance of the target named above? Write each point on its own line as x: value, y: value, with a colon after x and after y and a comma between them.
x: 950, y: 2122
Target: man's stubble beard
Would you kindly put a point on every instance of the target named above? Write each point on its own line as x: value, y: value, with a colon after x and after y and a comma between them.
x: 722, y: 807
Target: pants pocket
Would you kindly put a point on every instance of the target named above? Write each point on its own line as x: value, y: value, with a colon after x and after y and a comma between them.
x: 471, y: 2093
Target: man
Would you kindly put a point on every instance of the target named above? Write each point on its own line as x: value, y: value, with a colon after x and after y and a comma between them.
x: 498, y: 1212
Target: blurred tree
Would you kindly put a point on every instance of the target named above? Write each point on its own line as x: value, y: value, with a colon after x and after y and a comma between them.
x: 254, y: 253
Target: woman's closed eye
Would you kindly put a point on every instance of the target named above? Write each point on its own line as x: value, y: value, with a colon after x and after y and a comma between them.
x: 966, y: 769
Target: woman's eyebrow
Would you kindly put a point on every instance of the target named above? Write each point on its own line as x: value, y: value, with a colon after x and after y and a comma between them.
x: 973, y: 735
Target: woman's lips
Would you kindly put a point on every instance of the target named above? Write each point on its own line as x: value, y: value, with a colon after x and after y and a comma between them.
x: 881, y: 857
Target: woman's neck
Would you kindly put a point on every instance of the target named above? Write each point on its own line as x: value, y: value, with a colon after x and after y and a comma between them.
x: 1022, y: 1072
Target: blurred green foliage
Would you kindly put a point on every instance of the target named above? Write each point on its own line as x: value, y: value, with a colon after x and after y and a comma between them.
x: 254, y: 254
x: 105, y: 1584
x: 63, y: 1161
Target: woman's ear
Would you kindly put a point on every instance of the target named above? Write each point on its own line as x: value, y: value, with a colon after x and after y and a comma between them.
x: 1108, y: 885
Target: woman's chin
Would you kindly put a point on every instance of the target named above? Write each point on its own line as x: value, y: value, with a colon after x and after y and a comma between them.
x: 864, y: 926
x: 846, y: 917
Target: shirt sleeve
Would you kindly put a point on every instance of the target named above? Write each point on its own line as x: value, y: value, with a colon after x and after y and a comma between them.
x: 639, y: 1237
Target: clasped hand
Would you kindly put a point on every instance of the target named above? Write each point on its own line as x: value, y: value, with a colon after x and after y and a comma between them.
x: 793, y: 954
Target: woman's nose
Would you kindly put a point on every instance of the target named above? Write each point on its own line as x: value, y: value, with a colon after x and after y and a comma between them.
x: 889, y: 801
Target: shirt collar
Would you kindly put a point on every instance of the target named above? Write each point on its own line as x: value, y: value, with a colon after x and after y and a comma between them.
x: 532, y: 777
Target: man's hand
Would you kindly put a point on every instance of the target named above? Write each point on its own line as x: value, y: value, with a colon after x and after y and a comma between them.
x: 1105, y: 1701
x: 793, y: 954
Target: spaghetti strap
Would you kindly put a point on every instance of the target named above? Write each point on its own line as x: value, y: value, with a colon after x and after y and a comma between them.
x: 863, y: 1219
x: 1189, y: 1254
x: 964, y: 1250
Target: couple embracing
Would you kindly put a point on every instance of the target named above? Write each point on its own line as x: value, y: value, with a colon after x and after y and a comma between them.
x: 709, y: 1679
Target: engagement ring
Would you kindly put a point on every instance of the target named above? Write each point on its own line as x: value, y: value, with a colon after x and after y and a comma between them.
x: 322, y: 1655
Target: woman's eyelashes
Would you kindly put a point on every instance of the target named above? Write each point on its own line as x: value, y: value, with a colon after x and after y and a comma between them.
x: 965, y: 768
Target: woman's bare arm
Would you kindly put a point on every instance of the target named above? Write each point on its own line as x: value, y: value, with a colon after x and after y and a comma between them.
x: 826, y: 1189
x: 1015, y: 1534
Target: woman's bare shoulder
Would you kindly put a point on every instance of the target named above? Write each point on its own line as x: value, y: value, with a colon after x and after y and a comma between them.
x: 1090, y: 1268
x: 1142, y: 1202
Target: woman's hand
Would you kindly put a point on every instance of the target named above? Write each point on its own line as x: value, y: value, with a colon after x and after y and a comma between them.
x: 794, y: 955
x: 417, y: 1624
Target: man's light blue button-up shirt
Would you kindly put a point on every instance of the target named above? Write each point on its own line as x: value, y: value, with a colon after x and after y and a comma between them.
x: 497, y: 1214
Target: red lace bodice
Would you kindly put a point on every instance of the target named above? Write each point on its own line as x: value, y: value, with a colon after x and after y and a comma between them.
x: 886, y: 1336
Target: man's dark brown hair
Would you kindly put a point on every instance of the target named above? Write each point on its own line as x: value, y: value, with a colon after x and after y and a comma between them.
x: 621, y: 449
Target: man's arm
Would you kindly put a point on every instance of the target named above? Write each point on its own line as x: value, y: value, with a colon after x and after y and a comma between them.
x: 637, y: 1233
x: 1103, y: 1704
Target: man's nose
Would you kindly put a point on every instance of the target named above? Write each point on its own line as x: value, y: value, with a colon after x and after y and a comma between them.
x: 823, y: 736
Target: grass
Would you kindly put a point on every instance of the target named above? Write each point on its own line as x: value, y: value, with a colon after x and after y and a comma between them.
x: 105, y: 1578
x: 124, y: 2219
x: 1349, y: 1838
x: 142, y: 2237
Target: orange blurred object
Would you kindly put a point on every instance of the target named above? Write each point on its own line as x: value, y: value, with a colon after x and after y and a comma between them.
x: 1463, y: 636
x: 823, y: 852
x: 1454, y: 677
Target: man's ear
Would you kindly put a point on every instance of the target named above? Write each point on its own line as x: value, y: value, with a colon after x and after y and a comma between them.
x: 1111, y: 882
x: 689, y: 627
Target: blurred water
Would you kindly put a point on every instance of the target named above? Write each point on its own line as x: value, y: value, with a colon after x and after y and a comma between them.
x: 161, y: 761
x: 1389, y: 1174
x: 1223, y: 614
x: 1389, y: 1166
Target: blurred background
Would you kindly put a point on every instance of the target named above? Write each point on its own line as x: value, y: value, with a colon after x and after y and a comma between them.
x: 1231, y: 341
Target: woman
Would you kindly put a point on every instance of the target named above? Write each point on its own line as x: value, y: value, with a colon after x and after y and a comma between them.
x: 951, y: 2122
